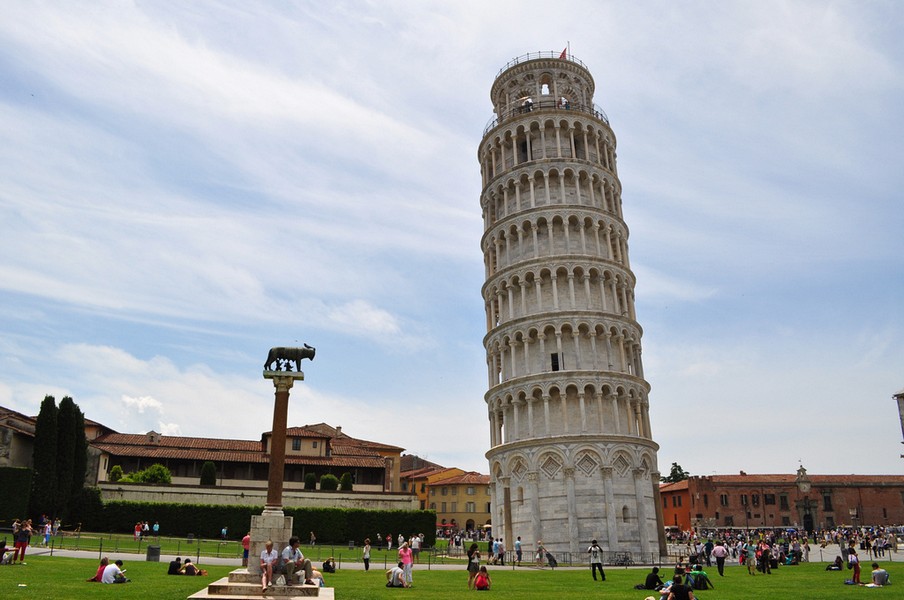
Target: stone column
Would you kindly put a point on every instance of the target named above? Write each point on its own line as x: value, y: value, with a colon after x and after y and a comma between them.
x: 611, y: 522
x: 533, y: 480
x: 572, y: 510
x: 660, y: 518
x: 283, y: 382
x: 642, y: 528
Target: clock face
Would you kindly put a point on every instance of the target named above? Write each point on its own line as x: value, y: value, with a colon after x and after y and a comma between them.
x: 804, y: 487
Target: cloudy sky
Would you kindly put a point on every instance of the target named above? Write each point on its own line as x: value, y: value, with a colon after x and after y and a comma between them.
x: 185, y: 184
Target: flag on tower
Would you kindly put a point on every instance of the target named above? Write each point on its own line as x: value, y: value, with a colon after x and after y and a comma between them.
x: 564, y: 54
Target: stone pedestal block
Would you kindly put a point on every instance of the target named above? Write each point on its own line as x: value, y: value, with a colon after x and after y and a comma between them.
x: 269, y: 525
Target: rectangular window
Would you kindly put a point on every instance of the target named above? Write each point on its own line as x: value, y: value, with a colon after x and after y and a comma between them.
x: 827, y: 502
x: 557, y: 362
x: 786, y: 520
x: 755, y: 499
x: 488, y: 508
x: 455, y: 491
x: 768, y: 498
x: 743, y: 499
x: 444, y: 491
x: 729, y: 521
x: 783, y: 502
x: 443, y: 507
x: 470, y: 507
x: 665, y: 502
x: 455, y: 507
x: 423, y: 487
x: 471, y: 491
x: 404, y: 486
x: 296, y: 444
x: 314, y: 445
x: 830, y: 521
x: 433, y: 506
x: 432, y: 491
x: 723, y: 499
x: 705, y: 501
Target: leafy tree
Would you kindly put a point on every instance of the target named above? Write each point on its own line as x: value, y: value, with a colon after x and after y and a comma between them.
x: 676, y: 474
x: 65, y: 455
x: 44, y: 457
x: 208, y: 473
x: 156, y: 473
x: 329, y: 482
x: 116, y: 473
x: 310, y: 481
x: 345, y: 482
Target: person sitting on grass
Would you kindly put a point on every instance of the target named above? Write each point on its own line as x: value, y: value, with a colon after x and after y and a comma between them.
x: 4, y: 553
x: 190, y: 569
x: 329, y: 565
x: 100, y: 570
x: 395, y: 577
x: 114, y: 573
x: 482, y: 581
x: 698, y: 579
x: 835, y: 566
x: 175, y: 567
x: 880, y: 576
x: 653, y: 581
x: 679, y: 591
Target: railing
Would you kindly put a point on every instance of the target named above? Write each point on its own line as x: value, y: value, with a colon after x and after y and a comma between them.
x: 546, y: 105
x: 538, y: 55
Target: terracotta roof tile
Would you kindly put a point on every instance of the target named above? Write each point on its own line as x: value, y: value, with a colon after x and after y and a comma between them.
x: 469, y: 478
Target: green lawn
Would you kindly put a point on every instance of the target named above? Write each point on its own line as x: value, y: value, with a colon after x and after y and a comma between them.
x: 59, y: 578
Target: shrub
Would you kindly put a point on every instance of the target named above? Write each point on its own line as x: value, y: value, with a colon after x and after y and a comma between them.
x: 310, y: 481
x: 329, y: 483
x: 208, y: 473
x: 116, y: 473
x: 156, y: 473
x: 345, y: 482
x: 16, y: 485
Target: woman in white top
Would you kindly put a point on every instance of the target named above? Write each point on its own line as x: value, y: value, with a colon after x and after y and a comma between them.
x: 269, y: 559
x: 366, y: 555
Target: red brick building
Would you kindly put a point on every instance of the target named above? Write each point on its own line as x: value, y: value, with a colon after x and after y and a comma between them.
x: 783, y: 500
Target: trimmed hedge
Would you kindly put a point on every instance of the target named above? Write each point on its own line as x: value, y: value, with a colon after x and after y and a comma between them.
x: 16, y: 485
x: 332, y: 525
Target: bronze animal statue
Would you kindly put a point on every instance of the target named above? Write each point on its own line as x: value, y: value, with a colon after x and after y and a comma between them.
x: 288, y: 355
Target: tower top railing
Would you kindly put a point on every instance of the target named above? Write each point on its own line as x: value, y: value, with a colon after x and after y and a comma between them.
x: 546, y: 106
x: 538, y: 55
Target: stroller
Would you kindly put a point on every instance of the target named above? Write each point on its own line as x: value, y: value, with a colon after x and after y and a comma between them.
x: 551, y: 560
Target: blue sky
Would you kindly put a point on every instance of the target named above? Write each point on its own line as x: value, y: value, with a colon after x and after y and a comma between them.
x: 185, y: 185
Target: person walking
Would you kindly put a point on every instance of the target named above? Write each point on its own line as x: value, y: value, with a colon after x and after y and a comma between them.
x: 721, y: 553
x: 366, y: 555
x: 596, y: 560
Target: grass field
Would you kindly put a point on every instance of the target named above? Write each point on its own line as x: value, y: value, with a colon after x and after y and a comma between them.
x: 61, y: 578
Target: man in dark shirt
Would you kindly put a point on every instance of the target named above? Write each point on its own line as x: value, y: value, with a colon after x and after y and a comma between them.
x: 174, y: 566
x: 653, y: 581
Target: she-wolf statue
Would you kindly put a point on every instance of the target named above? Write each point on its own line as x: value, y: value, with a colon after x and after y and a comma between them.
x: 280, y: 355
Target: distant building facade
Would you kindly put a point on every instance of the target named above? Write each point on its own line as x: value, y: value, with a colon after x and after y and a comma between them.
x: 783, y: 500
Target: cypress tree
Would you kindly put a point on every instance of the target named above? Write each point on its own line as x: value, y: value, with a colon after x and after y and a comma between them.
x: 44, y: 480
x: 65, y: 456
x: 80, y: 462
x: 208, y: 473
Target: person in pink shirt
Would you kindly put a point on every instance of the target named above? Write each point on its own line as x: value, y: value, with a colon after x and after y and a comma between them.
x: 246, y: 548
x: 406, y: 558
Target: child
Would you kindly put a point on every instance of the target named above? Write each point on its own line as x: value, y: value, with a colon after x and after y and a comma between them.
x: 482, y: 582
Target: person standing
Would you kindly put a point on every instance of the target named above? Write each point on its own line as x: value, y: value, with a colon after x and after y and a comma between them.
x: 156, y: 529
x: 246, y: 548
x: 596, y: 560
x: 518, y: 550
x: 541, y: 553
x: 750, y: 554
x: 313, y: 539
x: 500, y: 552
x: 23, y: 536
x: 416, y: 547
x: 854, y: 561
x: 721, y: 553
x: 406, y: 560
x: 366, y: 555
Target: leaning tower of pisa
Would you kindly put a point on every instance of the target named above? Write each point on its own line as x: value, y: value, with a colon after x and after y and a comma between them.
x: 572, y: 458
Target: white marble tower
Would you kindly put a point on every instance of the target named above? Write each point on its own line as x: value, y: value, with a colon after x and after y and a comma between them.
x: 571, y: 458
